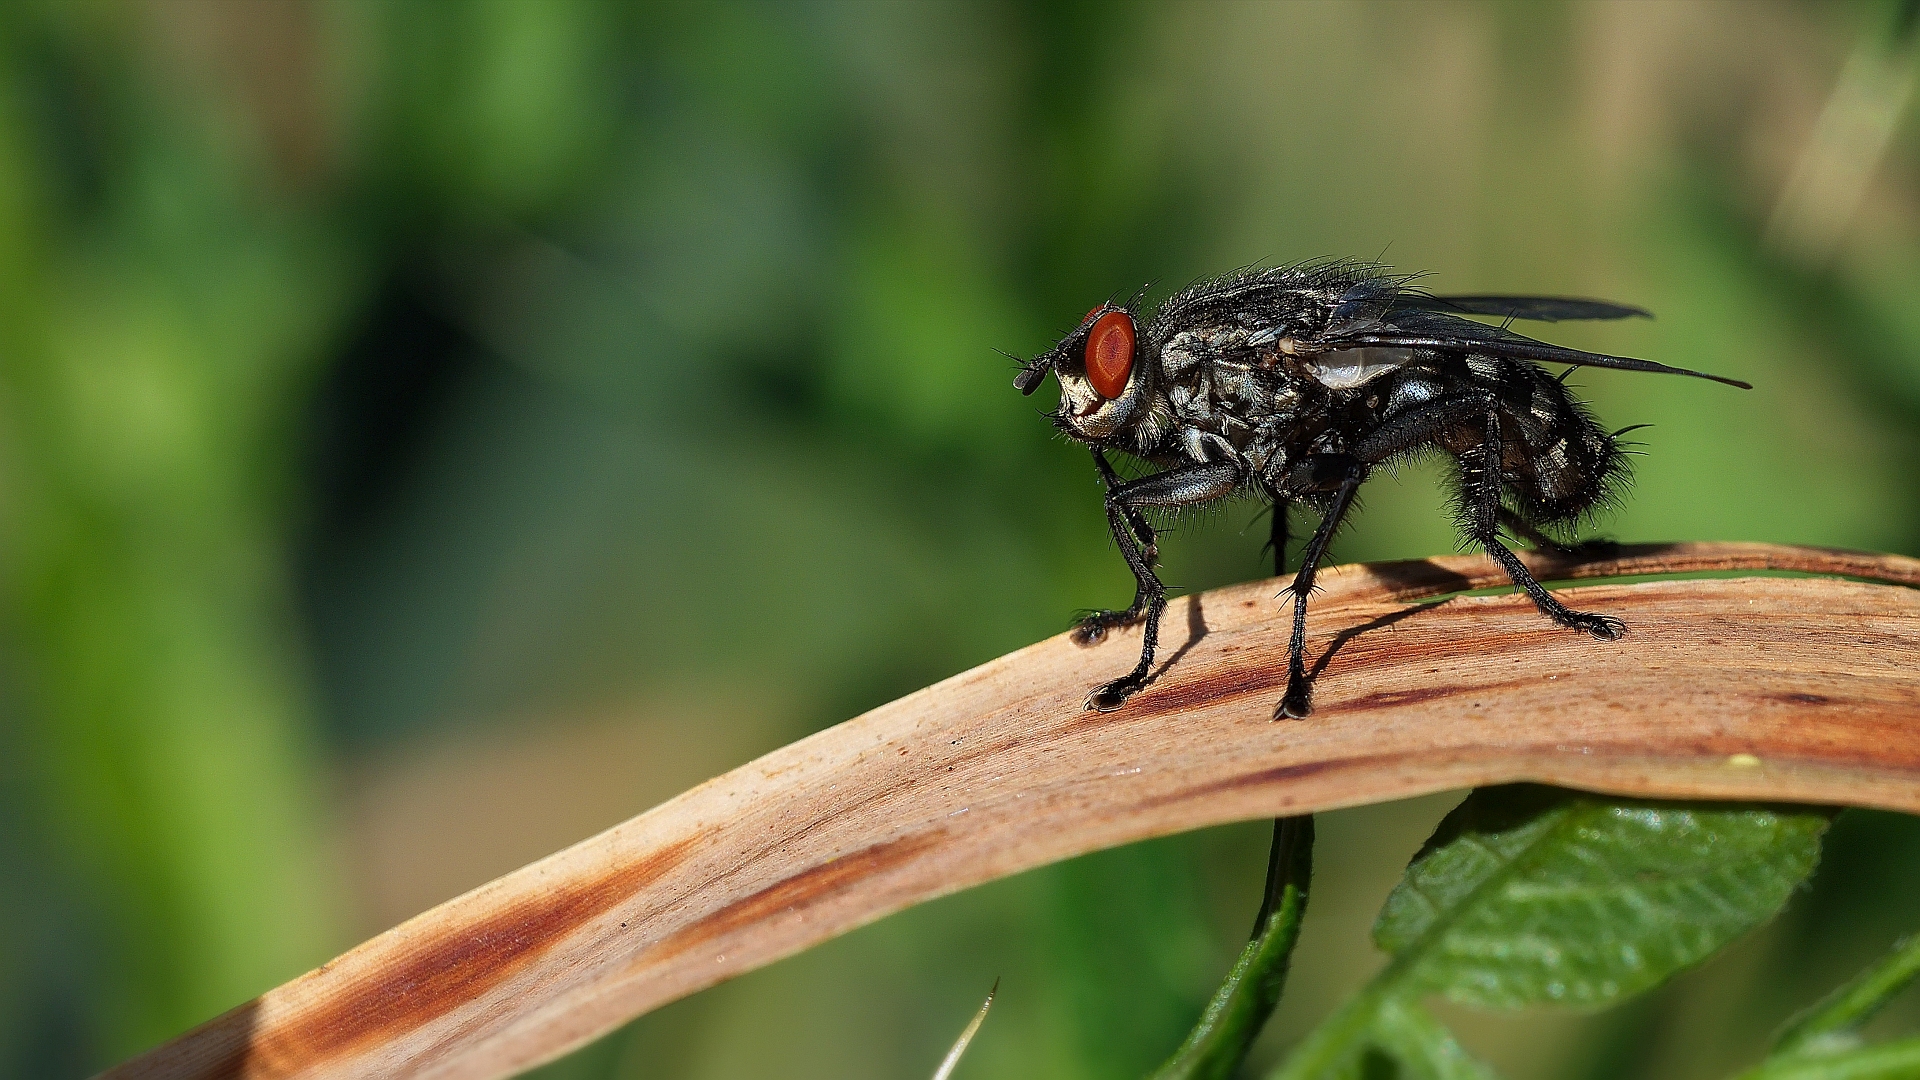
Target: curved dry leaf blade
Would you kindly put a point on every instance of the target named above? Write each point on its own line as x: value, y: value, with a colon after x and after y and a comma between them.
x: 1800, y: 689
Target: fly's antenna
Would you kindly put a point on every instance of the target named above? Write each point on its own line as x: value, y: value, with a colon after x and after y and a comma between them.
x: 1031, y: 375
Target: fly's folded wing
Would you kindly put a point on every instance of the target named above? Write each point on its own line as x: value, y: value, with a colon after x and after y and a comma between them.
x: 1414, y: 328
x: 1531, y: 308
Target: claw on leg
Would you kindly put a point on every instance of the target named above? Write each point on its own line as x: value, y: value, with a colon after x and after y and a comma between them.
x: 1111, y: 696
x: 1603, y: 627
x: 1298, y: 702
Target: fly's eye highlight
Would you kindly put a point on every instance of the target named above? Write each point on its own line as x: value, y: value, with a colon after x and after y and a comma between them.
x: 1110, y: 354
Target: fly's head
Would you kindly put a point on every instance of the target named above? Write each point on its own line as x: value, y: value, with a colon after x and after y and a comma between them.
x: 1104, y: 384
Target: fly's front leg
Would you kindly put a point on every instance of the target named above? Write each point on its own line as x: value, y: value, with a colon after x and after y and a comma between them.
x: 1125, y: 506
x: 1147, y: 591
x: 1133, y: 534
x: 1142, y: 528
x: 1480, y: 485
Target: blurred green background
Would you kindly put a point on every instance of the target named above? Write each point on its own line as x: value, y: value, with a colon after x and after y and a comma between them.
x: 433, y: 432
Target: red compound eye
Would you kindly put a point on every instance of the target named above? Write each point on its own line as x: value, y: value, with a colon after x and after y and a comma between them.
x: 1110, y: 354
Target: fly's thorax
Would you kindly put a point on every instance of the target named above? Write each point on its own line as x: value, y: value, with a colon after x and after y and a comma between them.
x: 1268, y: 460
x: 1188, y: 349
x: 1216, y: 383
x: 1322, y: 422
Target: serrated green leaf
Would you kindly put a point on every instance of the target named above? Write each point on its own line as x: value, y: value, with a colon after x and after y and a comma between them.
x: 1422, y: 1045
x: 1528, y: 895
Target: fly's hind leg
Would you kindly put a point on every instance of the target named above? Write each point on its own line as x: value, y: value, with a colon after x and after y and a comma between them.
x: 1125, y: 504
x: 1522, y: 529
x: 1482, y: 514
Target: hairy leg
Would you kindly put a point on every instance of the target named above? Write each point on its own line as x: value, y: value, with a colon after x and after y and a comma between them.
x: 1278, y: 536
x: 1522, y: 529
x: 1298, y: 701
x: 1125, y: 503
x: 1138, y: 545
x: 1480, y: 488
x: 1142, y: 528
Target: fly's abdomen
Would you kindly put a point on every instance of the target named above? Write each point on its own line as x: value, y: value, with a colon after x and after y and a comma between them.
x: 1559, y: 463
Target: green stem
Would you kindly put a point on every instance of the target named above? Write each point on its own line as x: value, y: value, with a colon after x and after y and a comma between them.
x: 1341, y: 1035
x: 1853, y: 1004
x: 1424, y: 1046
x: 1225, y: 1032
x: 1898, y: 1060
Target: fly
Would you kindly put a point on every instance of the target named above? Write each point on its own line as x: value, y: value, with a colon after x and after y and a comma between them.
x: 1292, y: 384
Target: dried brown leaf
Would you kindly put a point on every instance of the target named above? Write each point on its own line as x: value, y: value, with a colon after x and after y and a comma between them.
x: 1775, y: 688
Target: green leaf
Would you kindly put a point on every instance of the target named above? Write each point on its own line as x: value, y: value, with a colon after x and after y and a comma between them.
x: 1830, y: 1026
x: 1528, y: 894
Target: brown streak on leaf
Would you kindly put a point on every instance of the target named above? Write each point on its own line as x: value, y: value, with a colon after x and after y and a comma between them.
x: 1282, y: 774
x: 452, y: 969
x: 802, y: 890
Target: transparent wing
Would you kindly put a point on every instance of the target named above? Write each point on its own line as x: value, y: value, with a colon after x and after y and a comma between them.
x: 1418, y: 329
x: 1533, y: 308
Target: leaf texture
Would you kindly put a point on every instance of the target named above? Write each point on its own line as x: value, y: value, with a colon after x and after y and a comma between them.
x: 1530, y: 895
